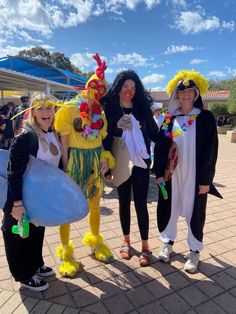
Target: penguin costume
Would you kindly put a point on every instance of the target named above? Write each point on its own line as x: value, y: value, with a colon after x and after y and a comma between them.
x: 184, y: 162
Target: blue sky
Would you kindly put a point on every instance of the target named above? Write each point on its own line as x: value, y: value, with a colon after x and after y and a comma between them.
x: 156, y: 38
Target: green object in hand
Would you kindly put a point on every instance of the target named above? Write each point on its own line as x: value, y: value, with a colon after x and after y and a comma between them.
x: 22, y: 228
x: 163, y: 190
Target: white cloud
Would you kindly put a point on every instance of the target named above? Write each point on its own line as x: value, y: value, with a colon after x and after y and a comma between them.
x: 153, y: 78
x: 230, y: 71
x: 84, y: 61
x: 24, y: 20
x: 133, y: 58
x: 179, y: 3
x: 197, y: 61
x: 216, y: 74
x: 229, y: 25
x: 11, y: 50
x: 190, y: 22
x: 174, y: 49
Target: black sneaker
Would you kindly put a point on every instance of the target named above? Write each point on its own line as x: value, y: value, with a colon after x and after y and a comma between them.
x: 35, y: 284
x: 45, y: 271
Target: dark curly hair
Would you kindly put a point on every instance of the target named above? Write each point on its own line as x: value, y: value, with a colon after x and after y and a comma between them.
x: 142, y: 100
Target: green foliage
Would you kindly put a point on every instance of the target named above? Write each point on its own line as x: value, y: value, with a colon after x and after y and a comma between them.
x: 218, y: 109
x: 232, y: 99
x: 221, y: 85
x: 55, y: 58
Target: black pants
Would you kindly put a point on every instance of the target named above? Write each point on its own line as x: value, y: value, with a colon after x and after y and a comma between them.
x: 24, y: 256
x: 139, y: 182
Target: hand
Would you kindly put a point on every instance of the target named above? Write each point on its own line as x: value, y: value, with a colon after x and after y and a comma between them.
x: 104, y: 167
x: 17, y: 212
x: 125, y: 123
x: 160, y: 181
x: 203, y: 189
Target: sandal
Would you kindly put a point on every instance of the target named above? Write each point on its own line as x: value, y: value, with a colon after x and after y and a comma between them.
x: 145, y: 258
x: 125, y: 250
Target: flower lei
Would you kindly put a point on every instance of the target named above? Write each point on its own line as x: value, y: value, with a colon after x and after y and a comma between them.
x: 180, y: 130
x: 91, y: 120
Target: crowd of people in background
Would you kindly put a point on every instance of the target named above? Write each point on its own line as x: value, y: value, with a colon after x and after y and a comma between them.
x: 10, y: 127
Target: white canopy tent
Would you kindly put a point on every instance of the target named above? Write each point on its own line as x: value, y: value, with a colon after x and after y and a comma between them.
x: 16, y: 81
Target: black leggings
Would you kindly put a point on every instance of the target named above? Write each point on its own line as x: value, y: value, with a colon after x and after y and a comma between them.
x: 24, y: 256
x: 139, y: 181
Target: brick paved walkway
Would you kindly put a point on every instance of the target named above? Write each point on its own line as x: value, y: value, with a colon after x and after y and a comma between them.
x: 124, y: 287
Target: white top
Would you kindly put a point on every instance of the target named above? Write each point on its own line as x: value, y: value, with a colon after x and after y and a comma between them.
x: 45, y: 154
x: 135, y: 143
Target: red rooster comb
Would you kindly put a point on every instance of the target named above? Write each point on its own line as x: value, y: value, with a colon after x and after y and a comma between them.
x: 101, y: 66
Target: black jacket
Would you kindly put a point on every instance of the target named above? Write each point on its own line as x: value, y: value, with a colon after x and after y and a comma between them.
x: 22, y: 147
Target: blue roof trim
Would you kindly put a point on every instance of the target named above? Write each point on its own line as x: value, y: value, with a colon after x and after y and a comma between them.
x: 41, y: 69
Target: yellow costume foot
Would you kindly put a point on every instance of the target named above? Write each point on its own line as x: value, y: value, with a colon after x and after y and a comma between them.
x: 99, y: 248
x: 69, y: 267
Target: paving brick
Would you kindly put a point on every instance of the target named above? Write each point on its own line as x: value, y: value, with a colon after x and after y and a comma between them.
x: 12, y: 303
x: 27, y: 306
x: 193, y: 296
x: 41, y: 307
x: 152, y: 308
x: 209, y: 287
x: 227, y: 302
x: 174, y: 304
x: 97, y: 308
x: 209, y: 308
x: 177, y: 281
x: 224, y: 280
x: 140, y: 296
x: 56, y: 309
x: 119, y: 304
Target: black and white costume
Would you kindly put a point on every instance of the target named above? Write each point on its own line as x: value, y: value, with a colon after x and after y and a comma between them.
x: 197, y: 153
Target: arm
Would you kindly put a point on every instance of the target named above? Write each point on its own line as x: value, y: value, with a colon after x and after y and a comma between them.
x: 18, y: 160
x: 64, y: 151
x: 209, y: 151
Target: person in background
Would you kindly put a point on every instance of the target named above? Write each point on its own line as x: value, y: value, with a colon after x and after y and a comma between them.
x: 130, y: 128
x: 8, y: 133
x: 20, y: 114
x: 24, y: 255
x: 2, y: 128
x: 184, y: 162
x: 159, y: 118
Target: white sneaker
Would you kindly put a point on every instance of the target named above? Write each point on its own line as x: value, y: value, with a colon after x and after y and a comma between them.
x: 165, y: 252
x: 192, y: 262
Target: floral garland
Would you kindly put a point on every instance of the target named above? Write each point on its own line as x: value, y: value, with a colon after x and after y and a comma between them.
x: 180, y: 130
x: 91, y: 120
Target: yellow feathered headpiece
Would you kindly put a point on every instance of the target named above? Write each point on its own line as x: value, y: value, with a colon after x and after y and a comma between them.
x: 185, y: 76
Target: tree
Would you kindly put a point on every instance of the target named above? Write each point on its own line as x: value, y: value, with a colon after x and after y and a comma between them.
x: 218, y: 109
x: 232, y: 99
x: 56, y: 58
x: 38, y: 53
x: 59, y: 60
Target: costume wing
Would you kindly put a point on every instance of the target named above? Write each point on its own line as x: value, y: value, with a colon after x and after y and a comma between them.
x: 50, y: 197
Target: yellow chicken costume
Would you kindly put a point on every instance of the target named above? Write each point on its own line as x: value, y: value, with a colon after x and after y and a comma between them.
x: 82, y: 129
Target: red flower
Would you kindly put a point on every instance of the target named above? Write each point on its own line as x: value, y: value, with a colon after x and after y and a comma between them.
x: 96, y: 108
x: 97, y: 125
x: 84, y: 107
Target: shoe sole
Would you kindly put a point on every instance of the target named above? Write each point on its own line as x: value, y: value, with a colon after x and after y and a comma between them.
x: 36, y: 289
x: 50, y: 273
x: 164, y: 259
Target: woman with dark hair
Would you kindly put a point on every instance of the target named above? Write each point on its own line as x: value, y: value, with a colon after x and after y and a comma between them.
x: 184, y: 161
x: 130, y: 128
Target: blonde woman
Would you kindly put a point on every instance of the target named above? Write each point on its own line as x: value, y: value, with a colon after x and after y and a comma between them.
x: 24, y: 255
